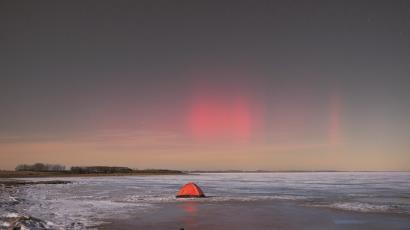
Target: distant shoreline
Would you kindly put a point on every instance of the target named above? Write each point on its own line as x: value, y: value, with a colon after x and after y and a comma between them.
x: 28, y: 174
x: 288, y: 171
x: 152, y: 172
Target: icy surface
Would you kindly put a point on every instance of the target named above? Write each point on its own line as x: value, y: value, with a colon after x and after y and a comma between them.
x: 88, y: 201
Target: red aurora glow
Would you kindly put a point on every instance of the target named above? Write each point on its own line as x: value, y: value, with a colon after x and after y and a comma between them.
x: 216, y: 117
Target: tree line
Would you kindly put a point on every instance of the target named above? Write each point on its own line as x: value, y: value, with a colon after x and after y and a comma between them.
x: 40, y: 167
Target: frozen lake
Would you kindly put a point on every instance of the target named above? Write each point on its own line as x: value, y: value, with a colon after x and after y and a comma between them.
x: 88, y: 202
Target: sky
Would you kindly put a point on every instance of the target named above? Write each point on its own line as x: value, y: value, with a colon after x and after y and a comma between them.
x: 206, y: 85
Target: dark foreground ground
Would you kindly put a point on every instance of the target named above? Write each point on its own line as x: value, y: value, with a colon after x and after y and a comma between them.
x: 258, y: 215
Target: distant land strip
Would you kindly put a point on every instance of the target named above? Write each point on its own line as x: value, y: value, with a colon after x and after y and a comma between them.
x: 28, y: 174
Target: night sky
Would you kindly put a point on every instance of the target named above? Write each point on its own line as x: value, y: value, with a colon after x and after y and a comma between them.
x: 270, y: 85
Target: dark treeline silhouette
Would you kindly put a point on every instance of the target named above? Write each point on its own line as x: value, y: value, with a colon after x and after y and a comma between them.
x: 100, y: 169
x: 40, y: 167
x: 61, y: 169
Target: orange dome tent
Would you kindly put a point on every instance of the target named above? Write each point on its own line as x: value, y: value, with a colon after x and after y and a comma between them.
x: 190, y: 190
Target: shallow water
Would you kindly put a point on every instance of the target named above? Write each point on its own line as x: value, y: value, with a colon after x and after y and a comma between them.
x: 89, y: 201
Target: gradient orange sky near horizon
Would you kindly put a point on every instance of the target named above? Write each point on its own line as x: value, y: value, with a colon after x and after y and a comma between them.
x: 210, y: 136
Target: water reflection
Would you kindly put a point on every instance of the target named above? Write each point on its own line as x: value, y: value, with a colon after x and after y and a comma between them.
x: 190, y: 210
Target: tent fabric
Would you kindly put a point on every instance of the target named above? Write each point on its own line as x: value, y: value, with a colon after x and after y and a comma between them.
x: 190, y: 190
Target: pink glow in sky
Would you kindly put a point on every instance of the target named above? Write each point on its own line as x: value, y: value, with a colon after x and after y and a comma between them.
x: 212, y: 118
x: 238, y: 115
